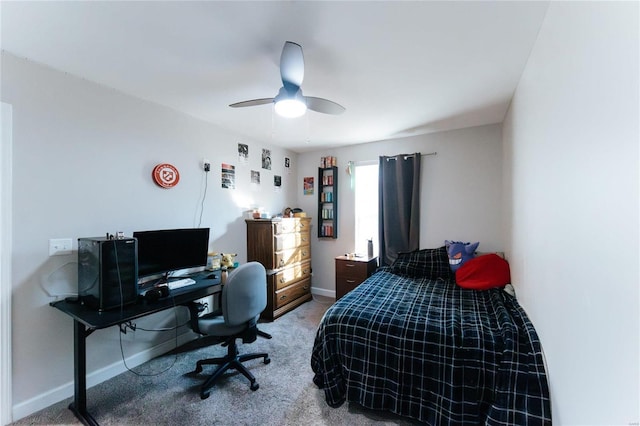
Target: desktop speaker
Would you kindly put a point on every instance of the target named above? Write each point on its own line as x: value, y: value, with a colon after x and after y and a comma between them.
x: 107, y: 272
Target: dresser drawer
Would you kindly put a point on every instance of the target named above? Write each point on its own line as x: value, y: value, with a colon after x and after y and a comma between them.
x: 290, y: 275
x: 352, y: 269
x: 289, y: 257
x: 292, y: 292
x: 289, y: 225
x: 289, y: 241
x: 345, y: 285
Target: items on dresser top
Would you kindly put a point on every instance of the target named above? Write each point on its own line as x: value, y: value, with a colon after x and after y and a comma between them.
x: 283, y: 246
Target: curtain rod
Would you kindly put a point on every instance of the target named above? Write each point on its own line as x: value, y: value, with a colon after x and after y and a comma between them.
x: 411, y: 155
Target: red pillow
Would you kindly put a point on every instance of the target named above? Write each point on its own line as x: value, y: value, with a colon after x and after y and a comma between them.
x: 484, y: 272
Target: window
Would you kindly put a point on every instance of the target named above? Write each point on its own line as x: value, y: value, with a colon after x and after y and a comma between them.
x: 366, y: 202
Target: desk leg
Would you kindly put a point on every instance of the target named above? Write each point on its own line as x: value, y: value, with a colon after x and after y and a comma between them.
x: 79, y: 404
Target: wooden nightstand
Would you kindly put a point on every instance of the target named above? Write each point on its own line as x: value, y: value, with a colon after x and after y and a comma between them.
x: 351, y: 271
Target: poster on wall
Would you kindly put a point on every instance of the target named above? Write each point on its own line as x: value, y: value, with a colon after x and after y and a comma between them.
x: 277, y: 183
x: 266, y: 159
x: 243, y: 153
x: 228, y: 176
x: 255, y: 177
x: 308, y: 185
x: 287, y: 164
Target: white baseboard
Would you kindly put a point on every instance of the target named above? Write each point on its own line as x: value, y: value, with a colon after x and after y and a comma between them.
x: 323, y: 292
x: 60, y: 393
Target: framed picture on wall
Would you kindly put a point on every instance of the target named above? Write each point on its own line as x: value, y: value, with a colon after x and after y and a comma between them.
x: 243, y: 153
x: 308, y: 185
x: 266, y: 159
x: 228, y: 176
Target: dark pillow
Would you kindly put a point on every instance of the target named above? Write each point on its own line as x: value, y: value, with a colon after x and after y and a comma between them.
x: 484, y: 272
x: 429, y: 263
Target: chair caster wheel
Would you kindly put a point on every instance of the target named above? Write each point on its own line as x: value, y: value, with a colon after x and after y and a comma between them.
x: 267, y: 360
x: 254, y: 386
x: 204, y: 395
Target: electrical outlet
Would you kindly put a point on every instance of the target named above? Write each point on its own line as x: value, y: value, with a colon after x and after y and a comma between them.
x: 60, y: 246
x: 206, y: 166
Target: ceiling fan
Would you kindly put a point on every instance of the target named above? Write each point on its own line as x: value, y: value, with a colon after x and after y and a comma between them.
x: 290, y: 102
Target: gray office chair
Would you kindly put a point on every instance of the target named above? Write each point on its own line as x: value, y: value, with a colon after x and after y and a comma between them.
x: 244, y: 297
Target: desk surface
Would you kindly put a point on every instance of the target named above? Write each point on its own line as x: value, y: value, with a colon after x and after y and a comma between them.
x: 94, y: 319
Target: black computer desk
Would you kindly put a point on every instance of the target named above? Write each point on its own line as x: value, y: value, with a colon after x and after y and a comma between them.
x: 86, y: 321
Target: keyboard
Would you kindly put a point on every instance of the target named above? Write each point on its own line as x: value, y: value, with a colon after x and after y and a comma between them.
x: 173, y: 285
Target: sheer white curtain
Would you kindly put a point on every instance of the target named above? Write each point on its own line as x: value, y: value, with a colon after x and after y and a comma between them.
x: 366, y: 202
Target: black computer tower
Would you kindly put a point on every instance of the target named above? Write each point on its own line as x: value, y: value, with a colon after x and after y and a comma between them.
x: 107, y: 272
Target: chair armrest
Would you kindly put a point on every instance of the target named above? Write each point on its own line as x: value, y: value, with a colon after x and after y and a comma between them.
x: 250, y: 335
x: 195, y: 309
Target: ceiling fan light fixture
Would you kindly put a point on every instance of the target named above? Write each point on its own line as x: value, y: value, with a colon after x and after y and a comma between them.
x: 290, y: 102
x: 290, y: 108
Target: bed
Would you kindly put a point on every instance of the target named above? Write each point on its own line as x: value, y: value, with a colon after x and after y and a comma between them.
x: 420, y: 346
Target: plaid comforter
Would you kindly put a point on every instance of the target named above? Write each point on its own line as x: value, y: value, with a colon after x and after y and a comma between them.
x: 432, y: 351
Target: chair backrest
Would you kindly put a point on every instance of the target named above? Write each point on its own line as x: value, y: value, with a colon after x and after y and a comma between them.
x: 244, y: 296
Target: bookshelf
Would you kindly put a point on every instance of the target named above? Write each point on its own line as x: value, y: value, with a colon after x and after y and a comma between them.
x: 328, y: 202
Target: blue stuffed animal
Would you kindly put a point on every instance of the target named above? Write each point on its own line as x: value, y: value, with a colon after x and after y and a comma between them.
x: 460, y: 252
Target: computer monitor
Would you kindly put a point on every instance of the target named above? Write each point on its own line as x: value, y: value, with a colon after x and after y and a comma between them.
x: 167, y: 250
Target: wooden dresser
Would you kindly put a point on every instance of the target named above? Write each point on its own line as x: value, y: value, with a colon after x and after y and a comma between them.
x: 283, y: 246
x: 351, y: 271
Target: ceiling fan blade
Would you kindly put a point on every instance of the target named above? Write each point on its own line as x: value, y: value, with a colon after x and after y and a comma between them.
x: 292, y: 65
x: 324, y: 105
x: 252, y: 102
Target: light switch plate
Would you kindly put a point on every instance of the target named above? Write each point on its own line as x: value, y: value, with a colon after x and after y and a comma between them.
x: 60, y: 246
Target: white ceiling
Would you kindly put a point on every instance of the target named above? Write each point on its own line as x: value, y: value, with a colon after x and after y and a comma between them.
x: 399, y: 68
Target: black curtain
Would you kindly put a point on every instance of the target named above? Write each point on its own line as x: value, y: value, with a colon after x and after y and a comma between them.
x: 399, y: 205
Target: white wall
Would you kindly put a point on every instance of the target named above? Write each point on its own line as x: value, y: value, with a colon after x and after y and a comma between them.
x: 571, y: 167
x: 461, y: 193
x: 5, y: 261
x: 82, y: 161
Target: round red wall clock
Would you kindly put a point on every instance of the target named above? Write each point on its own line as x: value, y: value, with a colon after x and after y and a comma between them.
x: 165, y: 175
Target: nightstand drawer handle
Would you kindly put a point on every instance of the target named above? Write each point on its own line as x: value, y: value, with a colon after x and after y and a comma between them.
x: 305, y: 288
x: 284, y: 296
x: 349, y: 265
x: 351, y: 281
x: 305, y: 271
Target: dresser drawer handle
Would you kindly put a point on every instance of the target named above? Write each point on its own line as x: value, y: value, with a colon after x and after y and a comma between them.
x: 281, y: 262
x: 305, y: 239
x: 305, y: 271
x: 305, y: 288
x: 349, y: 265
x: 304, y: 253
x: 302, y: 224
x: 283, y: 280
x: 351, y: 281
x: 284, y: 296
